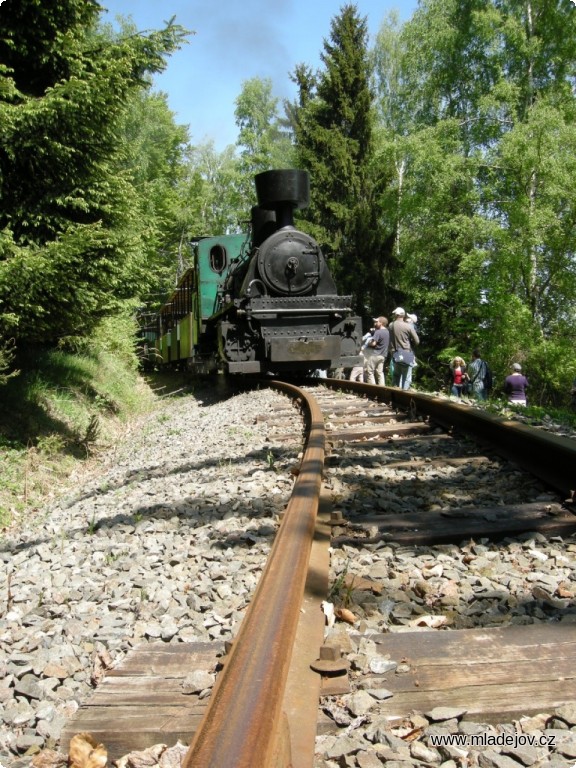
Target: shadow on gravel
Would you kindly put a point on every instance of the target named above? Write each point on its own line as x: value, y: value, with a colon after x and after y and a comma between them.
x: 206, y: 390
x: 188, y: 510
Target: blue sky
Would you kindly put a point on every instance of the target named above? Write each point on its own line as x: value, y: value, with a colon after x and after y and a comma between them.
x: 234, y: 41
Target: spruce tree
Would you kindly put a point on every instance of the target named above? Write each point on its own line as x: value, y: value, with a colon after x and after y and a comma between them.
x: 70, y: 249
x: 333, y: 124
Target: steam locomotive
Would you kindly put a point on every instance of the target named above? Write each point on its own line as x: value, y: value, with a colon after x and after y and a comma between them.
x: 263, y: 302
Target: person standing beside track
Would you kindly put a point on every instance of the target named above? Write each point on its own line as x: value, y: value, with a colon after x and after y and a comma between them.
x: 379, y: 346
x: 358, y: 373
x: 413, y: 319
x: 459, y: 377
x: 402, y: 336
x: 516, y: 385
x: 478, y: 373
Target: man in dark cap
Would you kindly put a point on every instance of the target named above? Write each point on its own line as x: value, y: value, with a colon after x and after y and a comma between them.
x: 379, y: 346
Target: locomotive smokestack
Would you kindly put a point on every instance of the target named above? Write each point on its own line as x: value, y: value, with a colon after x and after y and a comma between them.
x: 283, y: 191
x: 263, y: 224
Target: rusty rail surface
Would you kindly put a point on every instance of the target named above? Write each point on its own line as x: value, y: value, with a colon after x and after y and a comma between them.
x: 550, y: 457
x: 249, y: 692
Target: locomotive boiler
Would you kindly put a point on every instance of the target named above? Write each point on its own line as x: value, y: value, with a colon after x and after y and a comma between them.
x: 259, y: 303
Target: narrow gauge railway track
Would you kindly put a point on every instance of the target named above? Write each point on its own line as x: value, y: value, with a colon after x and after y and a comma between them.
x: 457, y: 568
x: 262, y: 711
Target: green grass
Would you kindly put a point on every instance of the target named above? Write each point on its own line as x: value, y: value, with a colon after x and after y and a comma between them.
x: 538, y: 415
x: 535, y: 415
x: 61, y: 409
x: 29, y: 476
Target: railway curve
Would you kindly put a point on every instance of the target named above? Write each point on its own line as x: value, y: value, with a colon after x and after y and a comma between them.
x: 374, y: 450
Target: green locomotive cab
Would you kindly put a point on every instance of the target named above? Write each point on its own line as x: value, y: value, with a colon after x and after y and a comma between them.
x: 185, y: 331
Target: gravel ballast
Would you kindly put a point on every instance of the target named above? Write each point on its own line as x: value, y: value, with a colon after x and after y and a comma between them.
x: 165, y: 542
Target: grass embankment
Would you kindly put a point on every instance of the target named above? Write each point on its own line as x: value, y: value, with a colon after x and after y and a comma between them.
x: 538, y: 416
x: 58, y: 414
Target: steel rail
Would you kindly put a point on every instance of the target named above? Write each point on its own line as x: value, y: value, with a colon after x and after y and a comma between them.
x: 244, y: 725
x: 550, y: 457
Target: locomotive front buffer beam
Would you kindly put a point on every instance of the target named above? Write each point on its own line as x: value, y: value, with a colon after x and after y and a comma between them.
x: 287, y: 350
x: 289, y: 355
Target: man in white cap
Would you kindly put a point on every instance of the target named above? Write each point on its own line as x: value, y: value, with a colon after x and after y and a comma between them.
x: 402, y: 337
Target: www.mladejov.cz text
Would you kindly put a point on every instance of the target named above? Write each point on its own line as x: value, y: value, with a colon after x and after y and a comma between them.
x: 492, y: 740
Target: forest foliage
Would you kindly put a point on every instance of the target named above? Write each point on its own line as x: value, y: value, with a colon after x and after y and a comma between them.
x: 441, y: 156
x: 73, y: 234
